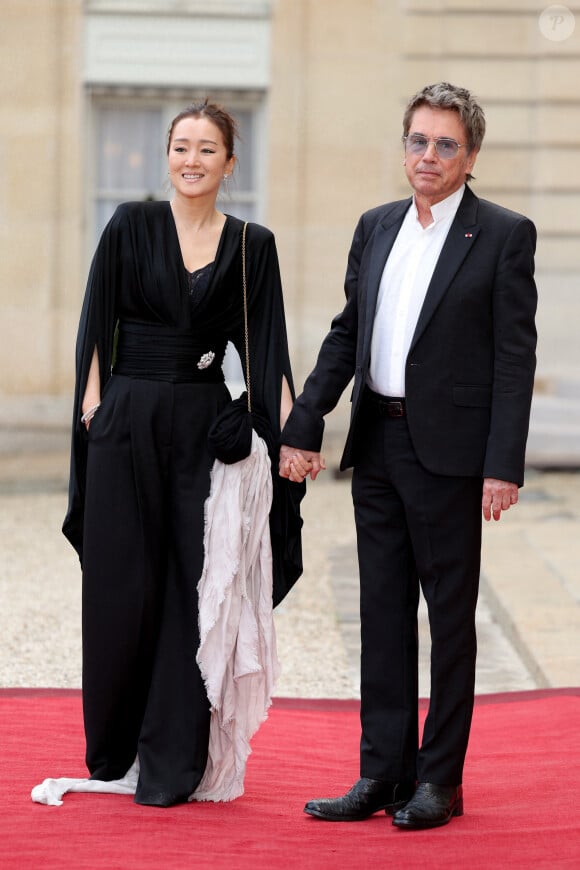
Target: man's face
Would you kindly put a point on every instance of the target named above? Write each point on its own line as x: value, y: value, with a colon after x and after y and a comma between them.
x: 432, y: 177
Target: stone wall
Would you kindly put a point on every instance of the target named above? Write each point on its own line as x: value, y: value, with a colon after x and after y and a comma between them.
x: 41, y: 223
x: 340, y: 74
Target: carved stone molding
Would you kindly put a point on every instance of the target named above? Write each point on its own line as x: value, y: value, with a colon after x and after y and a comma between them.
x: 203, y: 8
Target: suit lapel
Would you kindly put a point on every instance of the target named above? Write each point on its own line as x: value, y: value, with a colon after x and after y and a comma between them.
x: 383, y: 239
x: 460, y: 239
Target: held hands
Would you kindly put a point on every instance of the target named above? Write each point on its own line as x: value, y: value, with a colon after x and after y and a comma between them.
x: 498, y: 496
x: 296, y: 464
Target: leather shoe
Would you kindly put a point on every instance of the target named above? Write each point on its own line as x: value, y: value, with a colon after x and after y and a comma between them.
x: 367, y: 796
x: 430, y: 807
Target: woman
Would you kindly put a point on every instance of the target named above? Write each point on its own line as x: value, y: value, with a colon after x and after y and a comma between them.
x: 164, y: 296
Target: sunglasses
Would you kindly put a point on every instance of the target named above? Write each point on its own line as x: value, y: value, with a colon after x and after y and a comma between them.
x: 446, y: 148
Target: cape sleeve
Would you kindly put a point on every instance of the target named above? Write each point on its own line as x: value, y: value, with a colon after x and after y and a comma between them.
x: 269, y: 363
x: 96, y: 329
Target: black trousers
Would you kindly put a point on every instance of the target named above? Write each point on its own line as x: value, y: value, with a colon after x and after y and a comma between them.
x: 147, y: 481
x: 414, y: 527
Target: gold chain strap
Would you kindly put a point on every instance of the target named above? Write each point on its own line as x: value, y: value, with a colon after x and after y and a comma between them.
x: 246, y: 338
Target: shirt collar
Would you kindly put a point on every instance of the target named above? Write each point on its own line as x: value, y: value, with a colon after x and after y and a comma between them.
x: 446, y: 208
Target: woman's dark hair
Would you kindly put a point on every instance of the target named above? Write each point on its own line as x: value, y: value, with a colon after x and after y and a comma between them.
x: 215, y: 113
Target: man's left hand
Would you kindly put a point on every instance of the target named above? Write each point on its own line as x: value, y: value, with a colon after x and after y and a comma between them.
x: 498, y: 496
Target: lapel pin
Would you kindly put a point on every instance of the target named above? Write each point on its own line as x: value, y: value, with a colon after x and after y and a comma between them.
x: 468, y: 235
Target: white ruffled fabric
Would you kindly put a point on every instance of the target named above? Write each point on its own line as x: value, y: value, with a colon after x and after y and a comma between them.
x: 237, y: 655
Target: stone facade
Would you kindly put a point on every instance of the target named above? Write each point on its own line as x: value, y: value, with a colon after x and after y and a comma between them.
x: 335, y: 75
x: 41, y: 224
x: 341, y: 75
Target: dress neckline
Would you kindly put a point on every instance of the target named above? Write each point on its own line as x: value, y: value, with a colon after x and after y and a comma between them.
x: 197, y: 272
x: 176, y: 236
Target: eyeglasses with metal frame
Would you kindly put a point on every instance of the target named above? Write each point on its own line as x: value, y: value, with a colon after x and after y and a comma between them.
x: 416, y: 143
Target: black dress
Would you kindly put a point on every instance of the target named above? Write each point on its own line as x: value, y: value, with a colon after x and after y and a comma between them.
x: 141, y: 475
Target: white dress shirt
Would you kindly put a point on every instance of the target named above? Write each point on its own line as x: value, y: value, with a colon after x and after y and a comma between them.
x: 406, y: 277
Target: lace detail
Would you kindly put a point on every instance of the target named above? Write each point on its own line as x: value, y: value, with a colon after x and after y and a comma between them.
x: 198, y: 281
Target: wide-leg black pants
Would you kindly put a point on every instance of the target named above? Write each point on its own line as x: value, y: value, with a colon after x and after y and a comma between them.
x: 414, y: 527
x: 148, y: 477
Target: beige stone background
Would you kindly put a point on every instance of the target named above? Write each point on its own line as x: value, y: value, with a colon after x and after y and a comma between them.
x: 340, y: 72
x: 338, y: 77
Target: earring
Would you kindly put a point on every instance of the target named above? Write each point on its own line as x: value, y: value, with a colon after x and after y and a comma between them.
x: 226, y: 176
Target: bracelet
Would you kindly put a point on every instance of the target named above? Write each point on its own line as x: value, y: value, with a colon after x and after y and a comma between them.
x: 88, y: 415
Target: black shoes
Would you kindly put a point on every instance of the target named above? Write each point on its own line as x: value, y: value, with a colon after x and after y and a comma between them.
x: 427, y: 806
x: 430, y: 807
x: 367, y: 796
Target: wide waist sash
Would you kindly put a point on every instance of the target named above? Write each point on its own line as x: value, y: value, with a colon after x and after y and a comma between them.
x: 162, y: 353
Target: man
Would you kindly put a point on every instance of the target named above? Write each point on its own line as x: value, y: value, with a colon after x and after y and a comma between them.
x: 438, y: 332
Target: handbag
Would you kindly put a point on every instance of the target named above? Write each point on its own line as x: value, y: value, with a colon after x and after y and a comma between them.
x: 230, y: 435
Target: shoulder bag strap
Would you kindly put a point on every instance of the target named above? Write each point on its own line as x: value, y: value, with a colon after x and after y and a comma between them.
x: 246, y: 338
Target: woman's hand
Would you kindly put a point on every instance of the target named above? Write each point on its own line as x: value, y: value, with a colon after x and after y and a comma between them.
x: 296, y: 465
x: 92, y: 396
x: 89, y: 413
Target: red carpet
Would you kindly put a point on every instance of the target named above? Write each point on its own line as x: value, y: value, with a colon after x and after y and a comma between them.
x: 522, y: 796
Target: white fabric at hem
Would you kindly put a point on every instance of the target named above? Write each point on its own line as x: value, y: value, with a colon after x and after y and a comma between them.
x: 51, y: 791
x: 237, y: 655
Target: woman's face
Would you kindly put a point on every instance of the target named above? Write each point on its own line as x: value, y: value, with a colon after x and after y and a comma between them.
x: 198, y: 158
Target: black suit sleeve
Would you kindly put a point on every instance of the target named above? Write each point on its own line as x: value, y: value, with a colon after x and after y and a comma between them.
x: 335, y: 365
x: 514, y: 335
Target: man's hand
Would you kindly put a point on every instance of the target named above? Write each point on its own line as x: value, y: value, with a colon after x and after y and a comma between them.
x: 498, y: 496
x: 297, y: 464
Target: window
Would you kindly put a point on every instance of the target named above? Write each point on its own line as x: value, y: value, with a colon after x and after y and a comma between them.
x: 129, y: 152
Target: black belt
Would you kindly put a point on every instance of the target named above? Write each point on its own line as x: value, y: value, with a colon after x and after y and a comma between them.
x: 158, y: 352
x: 388, y: 406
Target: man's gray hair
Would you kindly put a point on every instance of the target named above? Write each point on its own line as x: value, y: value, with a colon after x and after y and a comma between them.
x: 445, y: 96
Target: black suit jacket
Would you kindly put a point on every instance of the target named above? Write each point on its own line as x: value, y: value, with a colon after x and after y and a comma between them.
x: 470, y: 368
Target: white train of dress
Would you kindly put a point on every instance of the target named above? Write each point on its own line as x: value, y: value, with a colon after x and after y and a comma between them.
x: 237, y: 654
